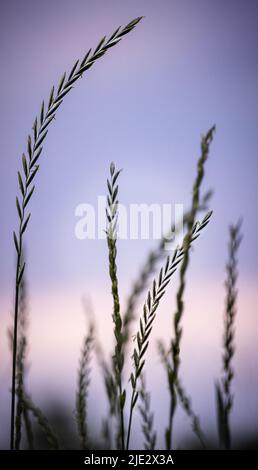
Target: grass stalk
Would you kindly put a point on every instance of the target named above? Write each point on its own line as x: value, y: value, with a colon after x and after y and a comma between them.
x: 176, y: 342
x: 149, y: 312
x: 83, y: 387
x: 118, y: 359
x: 20, y: 391
x: 22, y: 331
x: 30, y: 168
x: 147, y: 270
x: 224, y: 393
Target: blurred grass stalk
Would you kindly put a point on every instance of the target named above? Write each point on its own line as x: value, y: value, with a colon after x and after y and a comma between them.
x: 173, y: 370
x: 83, y: 386
x: 224, y: 393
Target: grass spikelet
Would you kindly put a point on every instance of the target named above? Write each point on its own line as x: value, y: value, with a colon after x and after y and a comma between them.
x: 223, y: 390
x: 147, y: 416
x: 176, y: 342
x: 150, y: 309
x: 150, y: 266
x: 83, y: 386
x: 30, y: 168
x: 118, y: 360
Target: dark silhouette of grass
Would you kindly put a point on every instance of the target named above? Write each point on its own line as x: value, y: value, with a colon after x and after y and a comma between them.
x: 223, y: 389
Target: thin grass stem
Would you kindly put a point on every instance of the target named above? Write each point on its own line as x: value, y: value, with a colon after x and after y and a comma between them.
x: 150, y: 309
x: 30, y: 168
x: 176, y: 342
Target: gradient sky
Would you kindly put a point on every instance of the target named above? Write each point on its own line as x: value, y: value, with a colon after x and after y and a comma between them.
x: 188, y: 65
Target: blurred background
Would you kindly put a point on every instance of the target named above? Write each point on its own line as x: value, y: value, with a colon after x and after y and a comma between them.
x: 187, y: 65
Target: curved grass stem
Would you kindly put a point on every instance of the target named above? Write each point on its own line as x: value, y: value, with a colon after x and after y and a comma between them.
x: 30, y: 168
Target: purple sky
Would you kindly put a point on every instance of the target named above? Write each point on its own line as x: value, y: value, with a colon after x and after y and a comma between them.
x: 188, y: 65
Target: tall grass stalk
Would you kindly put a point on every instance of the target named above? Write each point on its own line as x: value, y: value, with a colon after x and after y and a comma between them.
x: 25, y: 406
x: 20, y: 391
x: 224, y: 393
x: 176, y: 342
x: 21, y: 355
x: 118, y: 359
x: 30, y: 168
x: 83, y: 387
x: 150, y: 308
x: 22, y: 415
x: 21, y: 360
